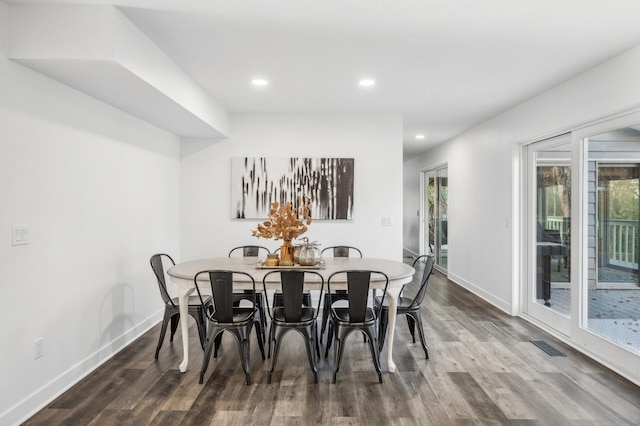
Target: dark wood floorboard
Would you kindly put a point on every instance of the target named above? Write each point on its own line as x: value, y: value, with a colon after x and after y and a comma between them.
x: 482, y: 370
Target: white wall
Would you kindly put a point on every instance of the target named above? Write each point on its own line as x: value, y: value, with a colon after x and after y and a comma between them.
x: 374, y: 140
x: 98, y: 190
x: 411, y: 207
x: 483, y: 172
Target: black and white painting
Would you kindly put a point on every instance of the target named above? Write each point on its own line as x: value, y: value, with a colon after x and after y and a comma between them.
x: 256, y: 182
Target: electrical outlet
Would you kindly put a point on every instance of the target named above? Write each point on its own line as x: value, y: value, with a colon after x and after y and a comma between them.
x: 37, y: 347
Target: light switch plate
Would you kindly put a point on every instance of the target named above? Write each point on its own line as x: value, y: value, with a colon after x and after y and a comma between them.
x: 19, y: 235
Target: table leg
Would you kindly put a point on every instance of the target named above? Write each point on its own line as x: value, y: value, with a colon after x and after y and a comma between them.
x: 183, y: 300
x: 392, y: 295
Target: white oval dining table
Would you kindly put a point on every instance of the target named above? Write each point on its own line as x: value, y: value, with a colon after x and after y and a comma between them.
x: 182, y: 275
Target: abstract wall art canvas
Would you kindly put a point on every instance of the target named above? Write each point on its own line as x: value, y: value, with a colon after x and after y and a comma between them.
x: 256, y: 182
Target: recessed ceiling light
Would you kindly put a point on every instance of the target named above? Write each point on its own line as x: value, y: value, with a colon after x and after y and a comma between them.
x: 259, y: 82
x: 366, y: 82
x: 420, y: 136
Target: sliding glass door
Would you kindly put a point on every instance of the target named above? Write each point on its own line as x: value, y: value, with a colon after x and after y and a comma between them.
x: 611, y: 291
x: 581, y: 239
x: 548, y: 206
x: 435, y: 215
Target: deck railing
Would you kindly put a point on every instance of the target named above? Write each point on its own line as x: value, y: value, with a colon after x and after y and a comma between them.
x: 556, y: 223
x: 622, y: 244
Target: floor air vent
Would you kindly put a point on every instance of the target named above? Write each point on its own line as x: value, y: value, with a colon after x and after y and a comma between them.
x: 550, y: 350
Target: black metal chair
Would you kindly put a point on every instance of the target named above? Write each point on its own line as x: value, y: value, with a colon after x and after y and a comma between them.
x: 252, y: 251
x: 293, y: 314
x: 171, y: 305
x: 249, y: 251
x: 336, y: 251
x: 357, y: 315
x: 409, y: 306
x: 277, y: 296
x: 341, y: 251
x: 222, y: 316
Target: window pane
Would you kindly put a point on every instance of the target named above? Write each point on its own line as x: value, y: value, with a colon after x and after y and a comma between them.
x: 553, y: 215
x: 612, y: 288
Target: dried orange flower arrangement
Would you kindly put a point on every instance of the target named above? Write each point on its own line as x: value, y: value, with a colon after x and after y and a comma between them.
x: 286, y: 223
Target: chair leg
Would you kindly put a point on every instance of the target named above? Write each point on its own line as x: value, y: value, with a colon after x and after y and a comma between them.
x: 242, y: 336
x: 278, y: 333
x: 174, y: 325
x: 309, y: 334
x: 260, y: 305
x: 412, y: 327
x: 375, y: 352
x: 341, y: 336
x: 207, y: 352
x: 382, y: 327
x: 247, y: 370
x: 418, y: 319
x: 263, y: 314
x: 260, y: 336
x: 202, y: 327
x: 271, y: 331
x: 218, y: 341
x: 315, y: 332
x: 325, y: 315
x: 163, y: 331
x: 329, y: 339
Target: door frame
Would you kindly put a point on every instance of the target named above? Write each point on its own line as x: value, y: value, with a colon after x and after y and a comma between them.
x: 423, y: 212
x: 529, y: 302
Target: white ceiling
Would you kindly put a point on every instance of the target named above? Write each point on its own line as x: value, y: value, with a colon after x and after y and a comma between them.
x: 446, y: 65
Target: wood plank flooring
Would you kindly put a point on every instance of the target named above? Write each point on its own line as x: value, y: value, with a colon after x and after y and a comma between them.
x: 482, y: 370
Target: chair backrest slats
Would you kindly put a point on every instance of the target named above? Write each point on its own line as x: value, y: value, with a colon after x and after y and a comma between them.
x: 249, y: 251
x: 342, y: 251
x: 358, y: 288
x: 294, y: 283
x: 221, y: 282
x: 357, y: 293
x: 222, y: 291
x: 424, y: 282
x: 158, y: 270
x: 292, y: 292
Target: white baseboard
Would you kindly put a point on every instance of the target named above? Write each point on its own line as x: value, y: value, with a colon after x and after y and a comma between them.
x: 496, y: 301
x: 406, y: 250
x: 47, y: 393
